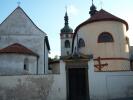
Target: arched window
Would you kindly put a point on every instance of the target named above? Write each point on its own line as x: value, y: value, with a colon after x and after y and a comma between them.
x: 127, y: 40
x: 67, y: 44
x: 26, y: 63
x: 81, y: 43
x: 105, y: 37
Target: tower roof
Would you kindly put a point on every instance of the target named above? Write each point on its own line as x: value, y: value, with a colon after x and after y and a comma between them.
x: 18, y: 49
x: 92, y: 9
x: 66, y: 28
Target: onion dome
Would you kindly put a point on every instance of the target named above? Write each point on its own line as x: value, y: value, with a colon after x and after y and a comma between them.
x: 92, y: 9
x: 66, y: 28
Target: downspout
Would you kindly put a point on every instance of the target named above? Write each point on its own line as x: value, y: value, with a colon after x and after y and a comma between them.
x: 44, y: 55
x: 37, y: 65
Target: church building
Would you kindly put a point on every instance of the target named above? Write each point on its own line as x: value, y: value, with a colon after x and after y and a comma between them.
x: 98, y: 48
x: 24, y: 47
x: 96, y: 59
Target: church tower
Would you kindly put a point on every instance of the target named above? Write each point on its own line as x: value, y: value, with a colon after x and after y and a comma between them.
x: 66, y: 36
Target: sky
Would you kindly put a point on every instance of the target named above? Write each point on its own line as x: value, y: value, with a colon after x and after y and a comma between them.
x: 48, y: 15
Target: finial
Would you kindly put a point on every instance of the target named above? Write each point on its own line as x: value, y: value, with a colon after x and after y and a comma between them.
x: 92, y: 2
x: 92, y: 9
x: 18, y: 3
x: 66, y: 8
x: 66, y: 17
x: 101, y: 3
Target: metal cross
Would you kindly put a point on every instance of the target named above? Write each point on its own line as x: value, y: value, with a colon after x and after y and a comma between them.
x: 99, y: 66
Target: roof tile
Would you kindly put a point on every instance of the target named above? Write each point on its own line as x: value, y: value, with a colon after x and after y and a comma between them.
x: 18, y: 49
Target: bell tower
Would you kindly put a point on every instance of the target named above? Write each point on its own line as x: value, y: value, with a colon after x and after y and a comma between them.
x: 66, y: 35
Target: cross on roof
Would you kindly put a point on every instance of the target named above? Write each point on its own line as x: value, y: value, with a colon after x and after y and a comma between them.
x: 92, y: 1
x: 101, y: 3
x: 99, y: 66
x: 18, y: 3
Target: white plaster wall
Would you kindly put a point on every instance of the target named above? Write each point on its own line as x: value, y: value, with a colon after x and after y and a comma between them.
x: 117, y: 49
x: 63, y: 49
x: 13, y: 64
x: 33, y: 42
x: 19, y: 23
x: 90, y: 35
x: 109, y: 85
x: 55, y: 68
x: 58, y: 86
x: 46, y: 59
x: 19, y: 28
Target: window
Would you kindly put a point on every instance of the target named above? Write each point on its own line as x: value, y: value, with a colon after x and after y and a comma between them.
x: 26, y: 62
x: 81, y: 43
x: 127, y: 40
x: 105, y: 37
x: 67, y: 44
x: 67, y: 35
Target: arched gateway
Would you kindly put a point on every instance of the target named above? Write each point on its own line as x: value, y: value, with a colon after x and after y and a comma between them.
x: 77, y: 77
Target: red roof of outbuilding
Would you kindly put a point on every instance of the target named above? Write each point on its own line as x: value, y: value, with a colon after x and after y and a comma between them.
x: 18, y: 49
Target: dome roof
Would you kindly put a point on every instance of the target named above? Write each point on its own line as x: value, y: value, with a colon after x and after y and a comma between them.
x: 17, y: 49
x: 66, y: 29
x: 101, y: 15
x: 92, y: 7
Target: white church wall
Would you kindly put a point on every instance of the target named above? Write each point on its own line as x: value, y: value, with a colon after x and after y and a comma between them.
x: 65, y: 51
x: 13, y: 64
x: 37, y: 87
x: 33, y: 42
x: 19, y: 28
x: 91, y: 32
x: 55, y: 68
x: 117, y: 49
x: 46, y: 59
x: 109, y: 85
x: 19, y: 23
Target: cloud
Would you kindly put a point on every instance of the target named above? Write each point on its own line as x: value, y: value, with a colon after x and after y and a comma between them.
x: 72, y: 10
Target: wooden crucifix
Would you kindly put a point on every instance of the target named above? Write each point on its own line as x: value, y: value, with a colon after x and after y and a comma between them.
x: 99, y: 66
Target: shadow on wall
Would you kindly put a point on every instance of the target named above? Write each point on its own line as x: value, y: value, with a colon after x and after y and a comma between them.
x: 31, y: 89
x: 128, y: 98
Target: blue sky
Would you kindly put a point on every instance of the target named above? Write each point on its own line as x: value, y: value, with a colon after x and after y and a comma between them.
x: 48, y: 15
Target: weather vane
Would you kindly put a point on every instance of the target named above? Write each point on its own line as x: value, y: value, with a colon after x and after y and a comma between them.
x: 18, y: 3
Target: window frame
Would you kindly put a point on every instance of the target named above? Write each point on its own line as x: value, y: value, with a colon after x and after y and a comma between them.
x: 26, y: 64
x: 81, y: 41
x: 100, y: 37
x: 67, y: 44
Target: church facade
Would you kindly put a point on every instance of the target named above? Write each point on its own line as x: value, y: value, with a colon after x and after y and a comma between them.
x: 23, y: 46
x: 95, y: 64
x: 97, y: 57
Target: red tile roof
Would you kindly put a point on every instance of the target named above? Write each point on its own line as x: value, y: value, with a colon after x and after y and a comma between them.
x: 18, y: 49
x: 101, y: 15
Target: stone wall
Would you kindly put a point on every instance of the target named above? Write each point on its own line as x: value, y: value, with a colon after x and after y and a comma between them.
x: 110, y: 85
x: 34, y: 87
